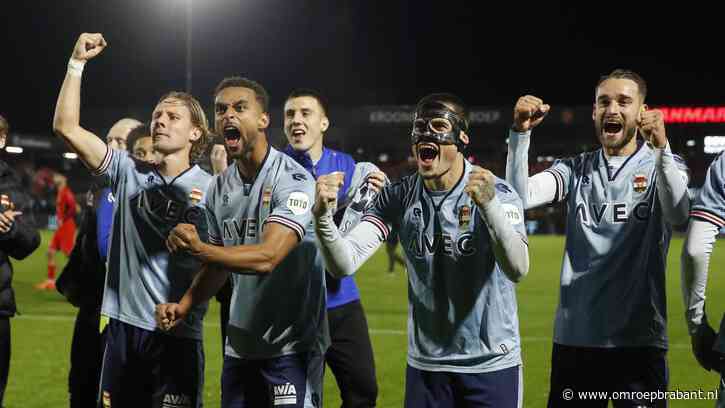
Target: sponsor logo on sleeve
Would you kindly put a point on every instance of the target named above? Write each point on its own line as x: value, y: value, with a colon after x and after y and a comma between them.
x: 298, y: 202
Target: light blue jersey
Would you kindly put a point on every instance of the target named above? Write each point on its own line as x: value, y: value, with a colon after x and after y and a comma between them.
x: 141, y: 273
x: 462, y: 313
x: 613, y: 273
x: 282, y: 312
x: 710, y: 207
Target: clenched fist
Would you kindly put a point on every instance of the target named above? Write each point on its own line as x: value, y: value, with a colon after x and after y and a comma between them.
x: 169, y: 315
x: 88, y: 46
x: 529, y: 112
x: 326, y: 193
x: 184, y: 237
x: 480, y: 186
x: 652, y: 126
x: 218, y: 158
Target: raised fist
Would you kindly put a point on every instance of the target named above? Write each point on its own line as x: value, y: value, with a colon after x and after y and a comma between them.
x: 480, y: 187
x: 652, y: 126
x: 529, y: 112
x: 88, y: 46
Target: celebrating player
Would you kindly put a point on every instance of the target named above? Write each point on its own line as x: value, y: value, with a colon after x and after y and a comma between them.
x: 141, y: 364
x: 259, y: 211
x: 621, y: 200
x: 463, y: 233
x: 707, y: 218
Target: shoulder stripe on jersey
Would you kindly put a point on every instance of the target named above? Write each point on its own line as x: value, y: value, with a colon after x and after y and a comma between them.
x: 708, y: 216
x: 215, y: 241
x: 559, y: 193
x: 380, y: 224
x: 294, y: 226
x: 104, y: 163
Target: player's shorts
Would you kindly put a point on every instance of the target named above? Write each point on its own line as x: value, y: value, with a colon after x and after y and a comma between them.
x: 441, y: 389
x: 64, y: 237
x: 143, y: 368
x: 634, y: 370
x: 275, y: 382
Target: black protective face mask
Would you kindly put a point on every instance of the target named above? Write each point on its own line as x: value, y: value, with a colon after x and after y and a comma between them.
x: 438, y: 125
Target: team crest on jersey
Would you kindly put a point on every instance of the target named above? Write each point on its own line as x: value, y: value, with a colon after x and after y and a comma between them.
x: 639, y: 183
x: 106, y: 399
x: 195, y: 196
x: 464, y: 217
x: 150, y: 179
x: 267, y: 196
x: 225, y: 200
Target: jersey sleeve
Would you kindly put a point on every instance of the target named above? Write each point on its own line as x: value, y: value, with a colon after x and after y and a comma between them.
x: 385, y: 207
x: 215, y: 233
x: 114, y: 163
x: 562, y: 170
x: 292, y: 202
x: 710, y: 203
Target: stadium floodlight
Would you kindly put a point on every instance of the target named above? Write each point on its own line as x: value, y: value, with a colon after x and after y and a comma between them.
x: 690, y: 143
x: 714, y: 144
x: 14, y: 149
x: 70, y: 156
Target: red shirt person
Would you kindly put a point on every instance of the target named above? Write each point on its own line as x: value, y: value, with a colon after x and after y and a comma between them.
x: 63, y: 239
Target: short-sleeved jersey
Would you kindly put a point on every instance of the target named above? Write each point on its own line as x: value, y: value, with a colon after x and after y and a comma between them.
x: 710, y: 207
x: 281, y: 312
x: 462, y: 312
x: 65, y: 206
x: 141, y: 272
x: 613, y: 273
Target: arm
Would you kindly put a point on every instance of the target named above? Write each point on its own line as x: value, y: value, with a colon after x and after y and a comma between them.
x: 671, y: 187
x: 205, y: 285
x: 277, y: 241
x: 696, y: 252
x: 66, y: 122
x: 344, y: 255
x: 509, y: 246
x: 21, y: 239
x: 534, y: 191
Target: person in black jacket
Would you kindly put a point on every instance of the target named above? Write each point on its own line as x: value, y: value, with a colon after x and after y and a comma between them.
x: 84, y: 276
x: 18, y: 239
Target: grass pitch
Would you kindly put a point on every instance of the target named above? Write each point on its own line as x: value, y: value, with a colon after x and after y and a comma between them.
x: 41, y: 335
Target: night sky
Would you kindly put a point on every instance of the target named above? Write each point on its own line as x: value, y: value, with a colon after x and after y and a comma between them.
x: 358, y: 52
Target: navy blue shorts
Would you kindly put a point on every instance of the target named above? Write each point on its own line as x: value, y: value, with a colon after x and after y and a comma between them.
x: 440, y: 389
x: 275, y: 382
x: 143, y: 368
x: 626, y: 371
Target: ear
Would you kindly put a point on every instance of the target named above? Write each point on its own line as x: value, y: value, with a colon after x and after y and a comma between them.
x: 594, y: 112
x: 3, y: 140
x: 195, y: 134
x: 263, y: 122
x: 464, y: 138
x: 412, y: 149
x: 324, y: 124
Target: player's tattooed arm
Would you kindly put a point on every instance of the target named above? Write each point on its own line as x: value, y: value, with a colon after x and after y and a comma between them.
x: 205, y: 285
x: 509, y: 246
x: 277, y: 241
x: 66, y: 122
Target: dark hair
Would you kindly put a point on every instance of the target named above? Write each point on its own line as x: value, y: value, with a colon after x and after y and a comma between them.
x: 4, y: 125
x: 299, y: 92
x: 198, y: 119
x: 238, y: 82
x: 626, y: 74
x: 136, y: 133
x: 451, y: 101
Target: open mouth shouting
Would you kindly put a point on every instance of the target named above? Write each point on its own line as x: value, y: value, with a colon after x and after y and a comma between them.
x: 611, y: 128
x: 232, y: 136
x: 427, y: 153
x: 298, y: 135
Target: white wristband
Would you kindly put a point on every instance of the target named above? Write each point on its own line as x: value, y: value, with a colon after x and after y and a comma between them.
x: 75, y: 67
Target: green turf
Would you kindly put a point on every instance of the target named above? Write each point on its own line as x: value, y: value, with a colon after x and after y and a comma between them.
x: 41, y: 335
